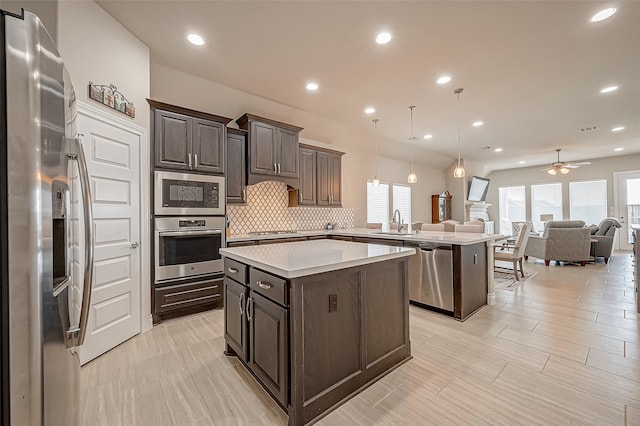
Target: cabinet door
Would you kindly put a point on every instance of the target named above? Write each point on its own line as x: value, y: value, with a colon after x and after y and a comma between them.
x: 322, y: 182
x: 172, y: 140
x: 269, y: 343
x: 236, y: 169
x: 263, y: 148
x: 288, y: 153
x: 307, y: 190
x: 208, y: 146
x: 235, y: 323
x: 335, y: 179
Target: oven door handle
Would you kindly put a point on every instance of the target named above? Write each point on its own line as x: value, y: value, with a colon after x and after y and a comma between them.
x: 186, y: 233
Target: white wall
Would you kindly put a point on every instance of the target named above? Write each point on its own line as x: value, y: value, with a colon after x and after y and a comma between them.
x: 601, y: 168
x: 95, y: 47
x: 358, y: 164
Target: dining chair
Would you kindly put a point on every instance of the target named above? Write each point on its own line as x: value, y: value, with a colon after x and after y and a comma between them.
x: 374, y: 225
x: 433, y: 227
x: 514, y: 253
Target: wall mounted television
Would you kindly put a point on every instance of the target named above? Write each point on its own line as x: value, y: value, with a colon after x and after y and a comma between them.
x: 478, y: 188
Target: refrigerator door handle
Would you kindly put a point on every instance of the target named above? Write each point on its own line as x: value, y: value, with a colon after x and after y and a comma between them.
x: 75, y: 152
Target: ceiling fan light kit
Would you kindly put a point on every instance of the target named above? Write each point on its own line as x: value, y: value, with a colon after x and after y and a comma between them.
x: 562, y: 167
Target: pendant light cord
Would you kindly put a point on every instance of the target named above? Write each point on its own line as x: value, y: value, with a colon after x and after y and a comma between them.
x: 457, y: 92
x: 412, y: 138
x: 375, y: 126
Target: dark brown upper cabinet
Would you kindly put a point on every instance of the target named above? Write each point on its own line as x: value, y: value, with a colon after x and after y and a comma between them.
x: 307, y: 185
x: 329, y: 179
x: 185, y: 139
x: 273, y: 149
x: 236, y: 166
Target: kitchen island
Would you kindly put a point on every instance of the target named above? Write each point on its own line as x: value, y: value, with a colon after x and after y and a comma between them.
x: 411, y: 239
x: 317, y: 321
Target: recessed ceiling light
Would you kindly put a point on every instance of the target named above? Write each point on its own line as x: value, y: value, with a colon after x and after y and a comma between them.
x: 619, y: 149
x: 603, y: 14
x: 369, y: 110
x: 609, y: 89
x: 311, y: 86
x: 521, y: 162
x: 618, y: 129
x: 444, y: 79
x: 383, y: 38
x: 427, y: 136
x: 477, y: 123
x: 195, y: 39
x: 498, y: 150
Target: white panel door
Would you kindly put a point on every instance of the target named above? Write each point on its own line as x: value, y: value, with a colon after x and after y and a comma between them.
x: 628, y: 206
x: 113, y: 156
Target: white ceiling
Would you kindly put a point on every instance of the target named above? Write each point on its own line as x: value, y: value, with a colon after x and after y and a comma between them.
x: 531, y: 70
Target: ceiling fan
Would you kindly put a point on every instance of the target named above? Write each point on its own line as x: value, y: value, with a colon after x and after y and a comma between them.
x: 562, y: 167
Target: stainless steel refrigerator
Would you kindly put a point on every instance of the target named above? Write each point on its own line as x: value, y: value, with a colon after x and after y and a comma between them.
x: 44, y: 293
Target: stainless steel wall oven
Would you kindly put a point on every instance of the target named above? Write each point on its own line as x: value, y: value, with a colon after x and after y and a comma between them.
x: 187, y: 247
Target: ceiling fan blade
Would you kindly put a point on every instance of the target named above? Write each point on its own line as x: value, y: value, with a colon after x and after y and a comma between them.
x: 584, y: 163
x: 572, y: 166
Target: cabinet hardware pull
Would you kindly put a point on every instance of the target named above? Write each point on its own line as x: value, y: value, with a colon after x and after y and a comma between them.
x: 475, y: 259
x: 300, y: 196
x: 195, y: 161
x: 240, y: 303
x: 232, y: 270
x: 275, y: 168
x: 265, y: 286
x: 190, y: 160
x: 279, y: 168
x: 244, y: 194
x: 248, y: 308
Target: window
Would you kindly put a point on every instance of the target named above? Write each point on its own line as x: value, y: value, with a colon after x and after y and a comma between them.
x: 378, y: 203
x: 588, y: 201
x: 512, y: 207
x: 545, y: 199
x: 402, y: 201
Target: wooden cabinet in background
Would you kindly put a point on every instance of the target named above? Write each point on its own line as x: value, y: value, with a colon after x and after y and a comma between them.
x: 440, y: 207
x: 307, y: 185
x: 273, y: 149
x: 185, y: 139
x: 236, y: 166
x: 329, y: 179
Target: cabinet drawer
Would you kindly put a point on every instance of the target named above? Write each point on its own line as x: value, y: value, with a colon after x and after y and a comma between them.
x: 179, y: 296
x: 235, y: 270
x: 275, y: 288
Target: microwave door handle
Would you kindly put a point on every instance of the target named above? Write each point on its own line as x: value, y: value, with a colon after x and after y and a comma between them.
x: 75, y: 152
x: 180, y: 233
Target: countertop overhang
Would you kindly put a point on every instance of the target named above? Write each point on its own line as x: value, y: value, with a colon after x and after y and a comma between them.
x: 302, y: 258
x: 459, y: 238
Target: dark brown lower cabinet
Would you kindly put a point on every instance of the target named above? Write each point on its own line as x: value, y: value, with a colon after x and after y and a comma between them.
x: 171, y: 298
x: 269, y: 343
x: 236, y: 327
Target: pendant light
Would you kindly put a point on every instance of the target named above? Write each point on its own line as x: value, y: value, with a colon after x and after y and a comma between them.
x: 459, y: 170
x: 376, y: 181
x: 412, y: 178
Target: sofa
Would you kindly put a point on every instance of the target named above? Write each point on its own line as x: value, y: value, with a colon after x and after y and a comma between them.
x: 562, y: 240
x: 604, y: 234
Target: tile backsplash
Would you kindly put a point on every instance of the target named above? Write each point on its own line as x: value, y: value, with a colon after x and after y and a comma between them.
x: 267, y: 210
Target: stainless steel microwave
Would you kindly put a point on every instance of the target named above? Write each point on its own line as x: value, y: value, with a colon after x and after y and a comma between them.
x: 188, y: 194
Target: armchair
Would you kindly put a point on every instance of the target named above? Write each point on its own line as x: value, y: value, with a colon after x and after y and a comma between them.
x: 604, y: 234
x: 566, y: 240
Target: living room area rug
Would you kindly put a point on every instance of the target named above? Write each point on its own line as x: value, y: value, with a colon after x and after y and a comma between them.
x: 506, y: 281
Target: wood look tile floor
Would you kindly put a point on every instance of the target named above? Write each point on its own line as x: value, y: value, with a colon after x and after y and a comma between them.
x: 562, y: 349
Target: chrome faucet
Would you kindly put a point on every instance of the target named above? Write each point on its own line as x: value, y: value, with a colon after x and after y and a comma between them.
x: 399, y: 222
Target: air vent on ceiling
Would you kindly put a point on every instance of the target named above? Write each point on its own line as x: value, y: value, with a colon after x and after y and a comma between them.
x: 486, y: 147
x: 589, y: 129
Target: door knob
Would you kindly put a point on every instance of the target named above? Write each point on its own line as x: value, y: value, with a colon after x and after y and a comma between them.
x: 135, y: 245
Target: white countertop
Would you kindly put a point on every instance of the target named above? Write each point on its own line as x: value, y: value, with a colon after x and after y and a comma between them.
x: 301, y: 258
x: 459, y: 238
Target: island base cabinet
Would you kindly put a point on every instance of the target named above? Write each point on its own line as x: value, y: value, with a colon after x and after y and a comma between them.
x: 236, y: 328
x: 269, y: 343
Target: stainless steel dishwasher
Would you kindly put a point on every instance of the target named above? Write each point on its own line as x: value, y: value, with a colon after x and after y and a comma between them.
x: 431, y: 276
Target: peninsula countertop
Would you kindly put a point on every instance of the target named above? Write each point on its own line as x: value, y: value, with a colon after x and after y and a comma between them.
x: 459, y: 238
x: 302, y: 258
